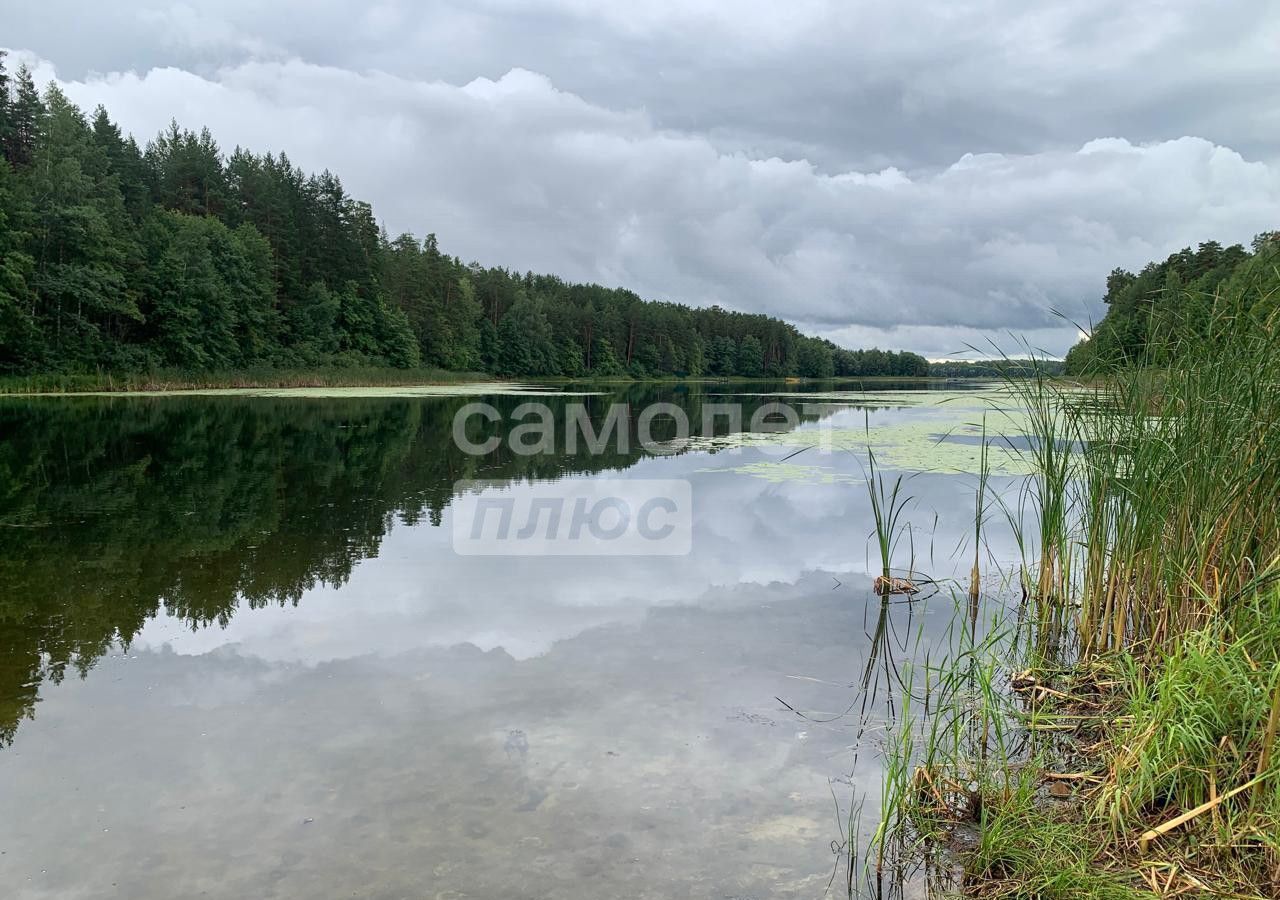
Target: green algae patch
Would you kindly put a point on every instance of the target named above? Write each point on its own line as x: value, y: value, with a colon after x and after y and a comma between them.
x: 931, y: 443
x: 789, y: 473
x: 969, y: 400
x: 942, y: 431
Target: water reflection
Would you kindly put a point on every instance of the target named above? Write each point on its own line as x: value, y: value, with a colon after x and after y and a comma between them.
x: 296, y: 688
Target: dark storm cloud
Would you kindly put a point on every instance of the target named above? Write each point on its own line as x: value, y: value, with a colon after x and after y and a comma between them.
x: 919, y: 176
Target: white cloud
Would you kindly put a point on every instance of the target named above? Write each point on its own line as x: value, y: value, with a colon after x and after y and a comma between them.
x: 514, y: 171
x: 859, y: 85
x: 879, y: 172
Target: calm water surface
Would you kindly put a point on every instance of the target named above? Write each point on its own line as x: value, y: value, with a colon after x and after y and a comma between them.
x: 239, y: 657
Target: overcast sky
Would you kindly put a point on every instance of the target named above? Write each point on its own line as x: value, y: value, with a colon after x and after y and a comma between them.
x: 923, y: 175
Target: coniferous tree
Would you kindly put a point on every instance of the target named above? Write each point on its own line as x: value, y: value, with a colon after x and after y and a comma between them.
x: 6, y: 125
x: 21, y: 343
x: 24, y: 114
x: 124, y: 162
x: 188, y: 171
x: 1154, y: 312
x: 116, y: 258
x: 80, y: 249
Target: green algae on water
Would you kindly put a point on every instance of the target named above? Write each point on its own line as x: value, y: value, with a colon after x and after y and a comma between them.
x: 947, y: 444
x: 789, y: 473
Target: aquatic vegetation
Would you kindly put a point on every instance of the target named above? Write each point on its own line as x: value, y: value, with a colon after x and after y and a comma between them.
x: 946, y: 439
x: 1139, y: 698
x: 1026, y: 850
x: 888, y: 503
x: 1199, y: 733
x: 972, y: 399
x: 789, y: 473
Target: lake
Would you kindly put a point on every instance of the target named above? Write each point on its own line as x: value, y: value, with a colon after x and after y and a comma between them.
x: 244, y: 654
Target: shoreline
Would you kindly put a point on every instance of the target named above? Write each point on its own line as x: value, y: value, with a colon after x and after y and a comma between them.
x: 220, y: 383
x: 111, y: 383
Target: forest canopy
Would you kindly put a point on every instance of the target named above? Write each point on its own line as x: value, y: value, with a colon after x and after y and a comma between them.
x: 995, y: 368
x: 1153, y: 313
x: 116, y: 257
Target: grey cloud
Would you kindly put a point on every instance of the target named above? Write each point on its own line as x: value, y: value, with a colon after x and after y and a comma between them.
x: 517, y: 172
x: 905, y: 176
x: 843, y: 84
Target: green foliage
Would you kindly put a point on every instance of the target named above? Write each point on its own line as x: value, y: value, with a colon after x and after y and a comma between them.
x: 1025, y: 852
x: 189, y: 175
x: 722, y: 358
x: 995, y: 368
x: 816, y: 360
x: 121, y: 259
x: 20, y: 339
x: 1177, y: 486
x: 525, y: 343
x: 1154, y: 638
x: 23, y: 119
x: 877, y: 363
x: 1155, y: 316
x: 1200, y: 720
x: 750, y: 357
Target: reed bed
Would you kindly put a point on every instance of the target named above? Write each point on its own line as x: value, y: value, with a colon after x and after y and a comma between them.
x: 1118, y: 738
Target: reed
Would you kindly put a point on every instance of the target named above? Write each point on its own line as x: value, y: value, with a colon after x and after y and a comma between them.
x: 888, y: 503
x: 1151, y: 681
x: 980, y: 515
x: 1161, y: 487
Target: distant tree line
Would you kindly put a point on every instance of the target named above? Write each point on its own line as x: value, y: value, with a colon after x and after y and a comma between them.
x: 116, y: 257
x: 994, y: 368
x: 1153, y: 313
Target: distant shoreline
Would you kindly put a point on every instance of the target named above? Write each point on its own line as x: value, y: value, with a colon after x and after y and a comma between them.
x: 165, y: 381
x: 280, y: 379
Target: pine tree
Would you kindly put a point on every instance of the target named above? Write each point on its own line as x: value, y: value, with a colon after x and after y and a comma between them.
x: 80, y: 248
x: 25, y: 120
x: 6, y: 124
x: 188, y: 171
x: 20, y: 338
x: 115, y: 258
x: 124, y: 162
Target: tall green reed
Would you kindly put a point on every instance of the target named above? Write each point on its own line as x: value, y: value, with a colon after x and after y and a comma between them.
x: 1156, y: 492
x: 888, y: 503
